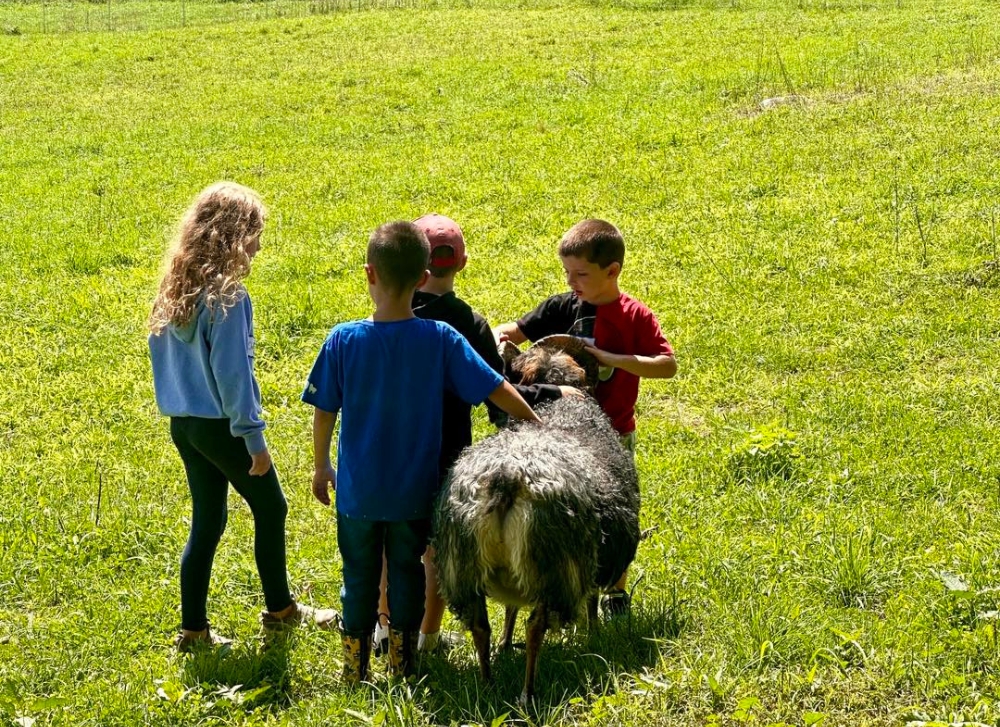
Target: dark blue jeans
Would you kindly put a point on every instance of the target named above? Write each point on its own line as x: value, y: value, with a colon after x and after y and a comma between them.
x: 361, y: 544
x: 213, y: 458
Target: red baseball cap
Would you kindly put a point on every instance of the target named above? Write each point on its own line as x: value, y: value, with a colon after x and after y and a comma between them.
x: 443, y: 231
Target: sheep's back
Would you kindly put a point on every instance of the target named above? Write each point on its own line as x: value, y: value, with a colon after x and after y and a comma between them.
x: 615, y: 480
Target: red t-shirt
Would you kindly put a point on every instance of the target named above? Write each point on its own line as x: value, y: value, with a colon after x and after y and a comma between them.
x: 623, y: 326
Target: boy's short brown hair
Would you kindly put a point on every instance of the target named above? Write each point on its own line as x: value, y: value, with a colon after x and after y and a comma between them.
x: 399, y: 252
x: 595, y: 241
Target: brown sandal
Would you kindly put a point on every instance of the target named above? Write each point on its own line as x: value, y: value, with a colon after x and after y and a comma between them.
x: 187, y: 642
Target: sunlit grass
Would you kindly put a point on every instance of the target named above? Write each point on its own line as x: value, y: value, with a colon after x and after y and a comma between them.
x: 809, y: 196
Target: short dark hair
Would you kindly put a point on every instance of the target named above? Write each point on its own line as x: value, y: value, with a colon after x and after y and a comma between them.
x: 596, y: 241
x: 399, y: 252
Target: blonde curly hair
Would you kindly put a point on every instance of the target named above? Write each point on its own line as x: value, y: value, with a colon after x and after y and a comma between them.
x: 208, y: 257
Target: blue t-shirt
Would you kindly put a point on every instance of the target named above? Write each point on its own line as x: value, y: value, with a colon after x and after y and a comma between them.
x: 388, y: 380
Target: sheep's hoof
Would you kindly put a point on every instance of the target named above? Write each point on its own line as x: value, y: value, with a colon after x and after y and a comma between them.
x: 525, y: 700
x: 489, y: 687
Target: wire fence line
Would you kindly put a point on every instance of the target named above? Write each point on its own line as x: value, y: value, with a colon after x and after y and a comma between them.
x: 72, y: 16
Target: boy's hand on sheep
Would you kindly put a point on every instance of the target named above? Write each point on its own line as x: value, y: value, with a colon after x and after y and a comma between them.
x: 571, y: 392
x: 604, y: 358
x: 324, y: 480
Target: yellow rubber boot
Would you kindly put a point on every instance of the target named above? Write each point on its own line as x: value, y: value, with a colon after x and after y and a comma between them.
x: 403, y: 652
x: 357, y: 654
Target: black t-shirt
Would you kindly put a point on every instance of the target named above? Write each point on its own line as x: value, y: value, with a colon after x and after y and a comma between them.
x: 563, y: 313
x: 456, y: 425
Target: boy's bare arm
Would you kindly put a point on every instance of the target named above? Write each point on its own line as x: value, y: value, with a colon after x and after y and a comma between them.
x: 506, y: 397
x: 324, y: 475
x: 646, y: 367
x: 509, y: 332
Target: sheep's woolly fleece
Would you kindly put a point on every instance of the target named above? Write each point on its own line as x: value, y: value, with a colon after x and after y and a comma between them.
x: 539, y: 514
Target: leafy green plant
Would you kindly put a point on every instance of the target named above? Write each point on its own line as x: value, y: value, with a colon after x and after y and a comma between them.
x: 770, y: 451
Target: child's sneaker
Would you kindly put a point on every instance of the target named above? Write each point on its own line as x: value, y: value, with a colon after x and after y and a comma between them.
x: 616, y: 603
x: 189, y: 641
x: 324, y: 618
x: 440, y: 643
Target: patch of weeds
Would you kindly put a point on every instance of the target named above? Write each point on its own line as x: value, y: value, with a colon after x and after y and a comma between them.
x: 644, y: 5
x: 769, y: 634
x: 851, y: 569
x: 631, y: 641
x: 848, y: 652
x: 397, y: 704
x: 769, y: 452
x: 870, y: 67
x: 920, y: 718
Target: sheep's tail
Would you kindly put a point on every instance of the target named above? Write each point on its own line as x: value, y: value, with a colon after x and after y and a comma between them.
x: 480, y: 520
x: 502, y: 489
x: 502, y: 519
x: 517, y: 533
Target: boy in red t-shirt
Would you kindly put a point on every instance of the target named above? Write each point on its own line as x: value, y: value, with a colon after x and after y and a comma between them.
x: 623, y: 334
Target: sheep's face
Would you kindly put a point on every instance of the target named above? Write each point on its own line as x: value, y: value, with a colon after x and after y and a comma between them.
x: 541, y: 366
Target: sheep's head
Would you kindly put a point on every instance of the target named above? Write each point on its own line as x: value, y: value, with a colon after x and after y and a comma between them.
x: 545, y: 366
x: 560, y: 360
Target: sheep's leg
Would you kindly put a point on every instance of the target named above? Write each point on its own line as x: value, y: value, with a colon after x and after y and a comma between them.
x: 509, y: 622
x: 481, y: 633
x: 537, y: 623
x: 592, y: 622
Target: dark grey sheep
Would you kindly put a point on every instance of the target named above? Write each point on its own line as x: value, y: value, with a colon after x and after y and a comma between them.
x: 541, y: 516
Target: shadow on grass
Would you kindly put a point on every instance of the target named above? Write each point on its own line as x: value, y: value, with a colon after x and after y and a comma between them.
x: 572, y: 664
x: 258, y: 672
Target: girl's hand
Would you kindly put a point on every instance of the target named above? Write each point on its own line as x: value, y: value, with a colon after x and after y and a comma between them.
x: 261, y: 463
x: 324, y: 480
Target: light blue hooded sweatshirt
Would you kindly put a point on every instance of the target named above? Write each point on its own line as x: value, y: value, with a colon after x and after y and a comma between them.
x: 205, y: 369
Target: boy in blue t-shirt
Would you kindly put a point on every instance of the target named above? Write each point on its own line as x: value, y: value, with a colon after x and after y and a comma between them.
x: 386, y: 377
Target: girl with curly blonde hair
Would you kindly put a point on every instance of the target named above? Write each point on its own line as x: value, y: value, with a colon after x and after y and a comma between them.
x: 202, y: 347
x: 218, y: 237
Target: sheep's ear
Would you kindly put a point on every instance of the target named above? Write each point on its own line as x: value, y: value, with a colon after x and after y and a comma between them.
x: 508, y: 352
x: 528, y: 367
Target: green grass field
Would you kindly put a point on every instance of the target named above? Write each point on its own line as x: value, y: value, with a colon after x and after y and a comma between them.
x: 809, y: 195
